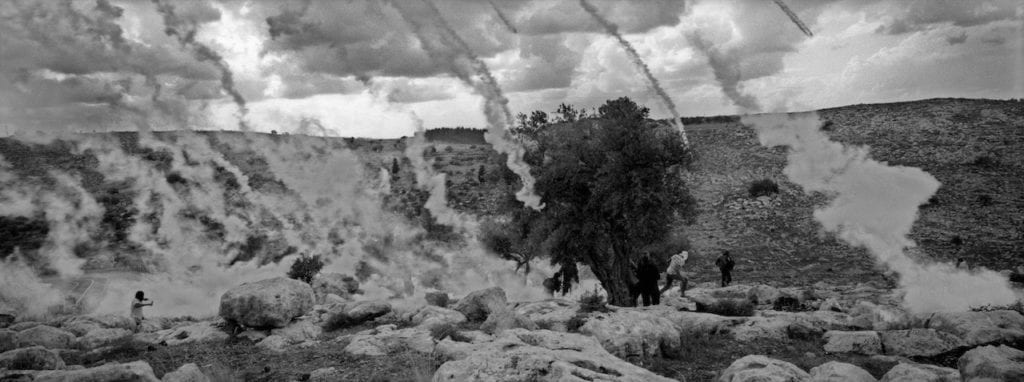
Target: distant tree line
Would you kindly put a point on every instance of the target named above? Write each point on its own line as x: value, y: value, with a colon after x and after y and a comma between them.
x: 463, y: 135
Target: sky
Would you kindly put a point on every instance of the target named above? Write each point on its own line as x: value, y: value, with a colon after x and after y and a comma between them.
x: 380, y: 68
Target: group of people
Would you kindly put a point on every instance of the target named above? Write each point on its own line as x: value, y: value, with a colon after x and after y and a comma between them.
x: 648, y: 274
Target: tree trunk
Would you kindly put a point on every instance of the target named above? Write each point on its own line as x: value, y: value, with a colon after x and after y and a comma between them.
x: 614, y: 276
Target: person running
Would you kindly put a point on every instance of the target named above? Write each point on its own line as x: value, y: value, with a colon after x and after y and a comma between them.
x: 676, y: 271
x: 137, y: 304
x: 725, y: 264
x: 647, y: 274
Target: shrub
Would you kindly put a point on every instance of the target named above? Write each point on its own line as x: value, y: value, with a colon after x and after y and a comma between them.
x: 763, y: 187
x: 787, y: 304
x: 305, y: 268
x: 827, y: 126
x: 577, y: 321
x: 593, y: 302
x: 728, y: 307
x: 985, y: 161
x: 447, y: 330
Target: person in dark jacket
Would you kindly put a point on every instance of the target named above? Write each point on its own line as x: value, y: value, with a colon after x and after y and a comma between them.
x: 725, y: 264
x: 647, y: 274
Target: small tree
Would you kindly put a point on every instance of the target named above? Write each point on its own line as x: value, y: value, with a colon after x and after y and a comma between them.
x: 305, y: 268
x: 567, y: 113
x: 538, y: 119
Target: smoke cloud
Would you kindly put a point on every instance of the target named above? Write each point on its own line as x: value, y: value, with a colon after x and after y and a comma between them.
x: 613, y: 30
x: 874, y: 206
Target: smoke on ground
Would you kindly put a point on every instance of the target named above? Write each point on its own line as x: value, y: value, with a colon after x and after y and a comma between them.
x: 874, y: 205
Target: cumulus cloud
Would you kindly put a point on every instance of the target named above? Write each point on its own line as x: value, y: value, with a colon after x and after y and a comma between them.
x: 918, y: 15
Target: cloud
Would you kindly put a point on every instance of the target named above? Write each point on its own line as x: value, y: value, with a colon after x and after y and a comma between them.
x: 957, y: 38
x: 918, y: 15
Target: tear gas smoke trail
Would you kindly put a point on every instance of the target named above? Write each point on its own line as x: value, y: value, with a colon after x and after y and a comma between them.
x: 504, y: 19
x: 796, y: 20
x: 727, y: 73
x: 185, y: 31
x: 429, y: 180
x: 613, y: 30
x: 875, y: 206
x: 496, y: 106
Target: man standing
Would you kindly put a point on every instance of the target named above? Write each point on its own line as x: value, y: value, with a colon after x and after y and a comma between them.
x: 725, y: 265
x: 137, y: 304
x: 675, y: 272
x: 647, y: 274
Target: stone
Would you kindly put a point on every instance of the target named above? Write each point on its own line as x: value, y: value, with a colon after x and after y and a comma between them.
x: 45, y: 336
x: 351, y: 314
x: 386, y: 339
x: 978, y: 328
x: 273, y: 343
x: 831, y: 304
x: 705, y: 323
x: 8, y: 340
x: 440, y: 299
x: 629, y: 333
x: 430, y: 316
x: 31, y: 358
x: 992, y: 363
x: 840, y: 372
x: 323, y: 375
x: 80, y: 326
x: 102, y: 337
x: 196, y: 332
x: 337, y: 284
x: 253, y: 335
x: 761, y: 328
x: 299, y: 331
x: 552, y: 314
x: 270, y: 303
x: 138, y: 371
x: 918, y: 342
x: 479, y: 304
x: 17, y: 327
x: 764, y: 294
x: 862, y: 342
x: 914, y: 372
x: 188, y: 372
x: 880, y: 317
x: 542, y: 356
x: 760, y: 368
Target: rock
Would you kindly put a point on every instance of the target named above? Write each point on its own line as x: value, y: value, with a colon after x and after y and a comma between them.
x: 437, y: 299
x: 831, y: 304
x: 913, y: 372
x: 80, y: 326
x: 334, y: 283
x: 31, y: 358
x: 552, y: 314
x: 478, y: 305
x: 840, y: 372
x: 102, y: 337
x: 270, y: 303
x: 759, y: 328
x: 918, y: 342
x: 148, y: 339
x: 333, y: 299
x: 705, y: 323
x: 188, y: 372
x: 276, y: 344
x: 114, y: 321
x: 323, y: 375
x: 138, y: 371
x: 253, y: 335
x: 862, y: 342
x: 991, y: 363
x: 385, y: 339
x: 23, y: 325
x: 8, y: 340
x: 355, y: 313
x: 757, y: 368
x: 977, y: 328
x: 45, y: 336
x: 542, y: 355
x: 504, y: 319
x: 764, y: 294
x: 630, y: 333
x: 299, y: 331
x: 430, y: 316
x: 197, y: 332
x: 880, y: 317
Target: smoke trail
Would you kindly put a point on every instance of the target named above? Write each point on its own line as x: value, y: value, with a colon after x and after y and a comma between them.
x: 434, y: 183
x: 439, y: 40
x: 185, y: 31
x: 796, y: 20
x: 875, y: 206
x: 504, y: 18
x: 613, y: 30
x: 727, y: 73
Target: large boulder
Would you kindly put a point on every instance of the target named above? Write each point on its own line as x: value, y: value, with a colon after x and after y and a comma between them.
x: 758, y: 368
x: 918, y: 342
x: 862, y: 342
x: 542, y: 355
x: 840, y: 372
x: 478, y: 305
x: 138, y: 371
x: 102, y: 337
x: 991, y: 363
x: 914, y: 372
x: 552, y: 314
x: 8, y: 340
x: 31, y: 358
x: 45, y: 336
x: 978, y: 328
x: 336, y: 284
x: 196, y: 332
x: 633, y: 333
x: 355, y: 313
x: 271, y: 303
x: 188, y: 372
x: 385, y: 339
x: 430, y: 316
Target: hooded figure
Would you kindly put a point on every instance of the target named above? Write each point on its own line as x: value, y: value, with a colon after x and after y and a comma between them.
x: 725, y: 264
x: 647, y: 275
x: 676, y: 271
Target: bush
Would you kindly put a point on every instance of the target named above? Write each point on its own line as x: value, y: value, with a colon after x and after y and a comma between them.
x: 787, y: 304
x: 985, y: 161
x: 728, y: 307
x: 447, y: 330
x: 763, y: 187
x: 593, y: 302
x: 305, y: 268
x: 577, y: 321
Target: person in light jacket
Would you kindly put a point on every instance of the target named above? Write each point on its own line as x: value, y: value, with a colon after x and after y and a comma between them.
x: 676, y: 271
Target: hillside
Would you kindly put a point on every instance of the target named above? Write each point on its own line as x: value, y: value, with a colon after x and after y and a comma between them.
x: 974, y: 147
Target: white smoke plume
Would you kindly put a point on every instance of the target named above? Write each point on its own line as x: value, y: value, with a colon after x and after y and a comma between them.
x: 874, y: 206
x: 634, y: 56
x: 503, y: 17
x: 429, y: 180
x: 24, y: 292
x: 792, y: 16
x: 445, y: 45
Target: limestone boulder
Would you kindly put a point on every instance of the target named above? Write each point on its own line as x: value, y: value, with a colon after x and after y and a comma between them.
x: 861, y: 342
x: 138, y: 371
x: 386, y: 339
x: 337, y: 284
x: 478, y: 305
x: 103, y: 337
x: 31, y: 358
x: 355, y: 313
x: 992, y: 363
x: 430, y: 316
x: 542, y: 356
x: 918, y: 342
x: 195, y: 332
x: 299, y: 331
x: 271, y: 303
x: 188, y: 372
x: 552, y: 314
x: 697, y: 322
x: 977, y: 328
x: 631, y: 333
x: 45, y: 336
x: 913, y: 372
x: 758, y: 368
x: 761, y: 328
x: 840, y: 372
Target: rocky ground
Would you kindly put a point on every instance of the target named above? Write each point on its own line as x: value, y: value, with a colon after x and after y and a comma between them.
x: 286, y: 330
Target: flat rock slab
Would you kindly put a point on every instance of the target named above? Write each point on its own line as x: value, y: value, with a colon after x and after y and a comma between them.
x: 861, y: 342
x: 918, y: 342
x: 760, y: 368
x: 913, y: 372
